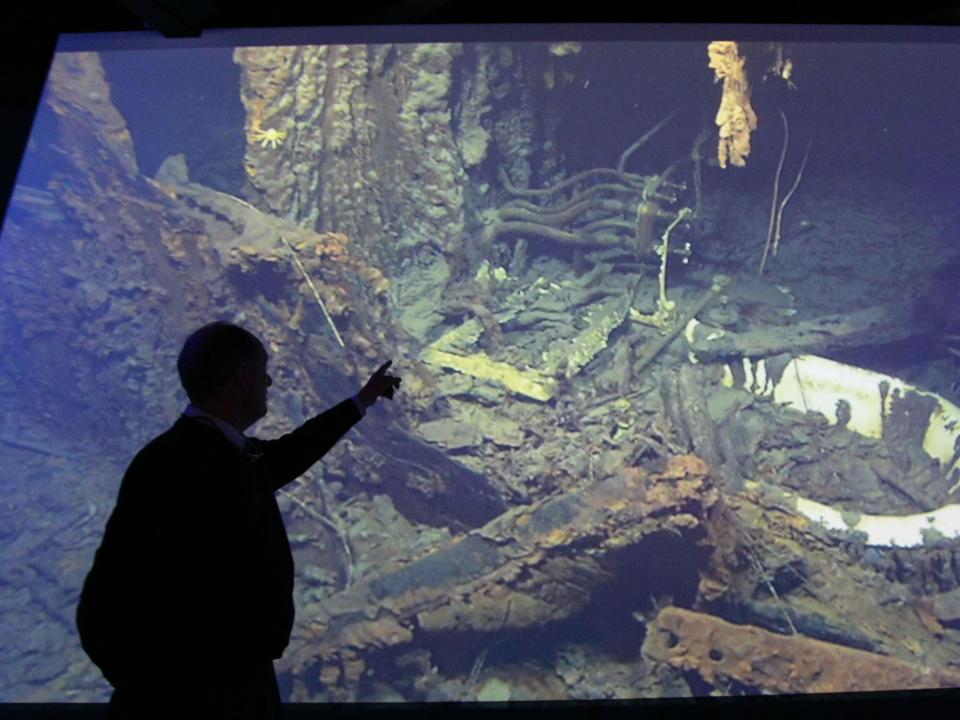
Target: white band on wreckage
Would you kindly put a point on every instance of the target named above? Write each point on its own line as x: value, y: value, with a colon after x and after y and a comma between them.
x: 817, y: 384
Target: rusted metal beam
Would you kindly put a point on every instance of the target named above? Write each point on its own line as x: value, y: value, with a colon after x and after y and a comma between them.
x: 866, y: 327
x: 720, y: 651
x: 531, y: 565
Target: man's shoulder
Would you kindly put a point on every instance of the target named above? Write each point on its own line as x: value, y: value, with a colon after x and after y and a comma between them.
x: 189, y: 454
x: 183, y: 442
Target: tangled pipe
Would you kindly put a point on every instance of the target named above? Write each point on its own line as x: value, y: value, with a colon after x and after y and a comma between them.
x: 602, y: 208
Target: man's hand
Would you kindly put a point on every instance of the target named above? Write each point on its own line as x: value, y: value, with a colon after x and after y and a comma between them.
x: 379, y: 385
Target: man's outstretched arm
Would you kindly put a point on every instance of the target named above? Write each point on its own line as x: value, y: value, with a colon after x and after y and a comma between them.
x: 292, y: 454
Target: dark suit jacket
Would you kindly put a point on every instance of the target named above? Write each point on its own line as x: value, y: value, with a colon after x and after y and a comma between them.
x: 195, y: 572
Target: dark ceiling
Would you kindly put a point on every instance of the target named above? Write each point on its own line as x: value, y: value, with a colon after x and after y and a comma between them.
x: 189, y: 17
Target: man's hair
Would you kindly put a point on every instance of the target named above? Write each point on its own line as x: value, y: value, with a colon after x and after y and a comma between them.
x: 211, y: 355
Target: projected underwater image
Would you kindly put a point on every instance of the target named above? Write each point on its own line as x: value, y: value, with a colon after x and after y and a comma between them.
x: 678, y: 330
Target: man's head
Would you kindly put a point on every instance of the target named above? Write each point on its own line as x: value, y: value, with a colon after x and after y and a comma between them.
x: 223, y: 369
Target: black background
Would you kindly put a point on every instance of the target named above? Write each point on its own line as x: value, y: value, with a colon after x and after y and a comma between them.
x: 28, y: 35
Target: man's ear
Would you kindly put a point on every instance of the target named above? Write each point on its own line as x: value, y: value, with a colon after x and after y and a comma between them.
x: 242, y: 376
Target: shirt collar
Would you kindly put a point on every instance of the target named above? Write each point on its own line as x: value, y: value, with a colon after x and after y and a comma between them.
x: 236, y: 438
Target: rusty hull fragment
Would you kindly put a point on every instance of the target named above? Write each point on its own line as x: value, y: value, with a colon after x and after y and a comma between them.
x: 530, y: 565
x: 720, y: 651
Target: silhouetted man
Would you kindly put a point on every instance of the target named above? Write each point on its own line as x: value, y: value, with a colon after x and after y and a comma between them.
x: 190, y: 600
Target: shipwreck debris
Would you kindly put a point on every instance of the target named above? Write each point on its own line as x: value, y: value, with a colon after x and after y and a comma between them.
x: 720, y: 651
x: 531, y: 565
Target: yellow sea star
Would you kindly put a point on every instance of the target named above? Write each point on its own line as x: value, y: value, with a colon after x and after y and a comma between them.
x: 271, y: 137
